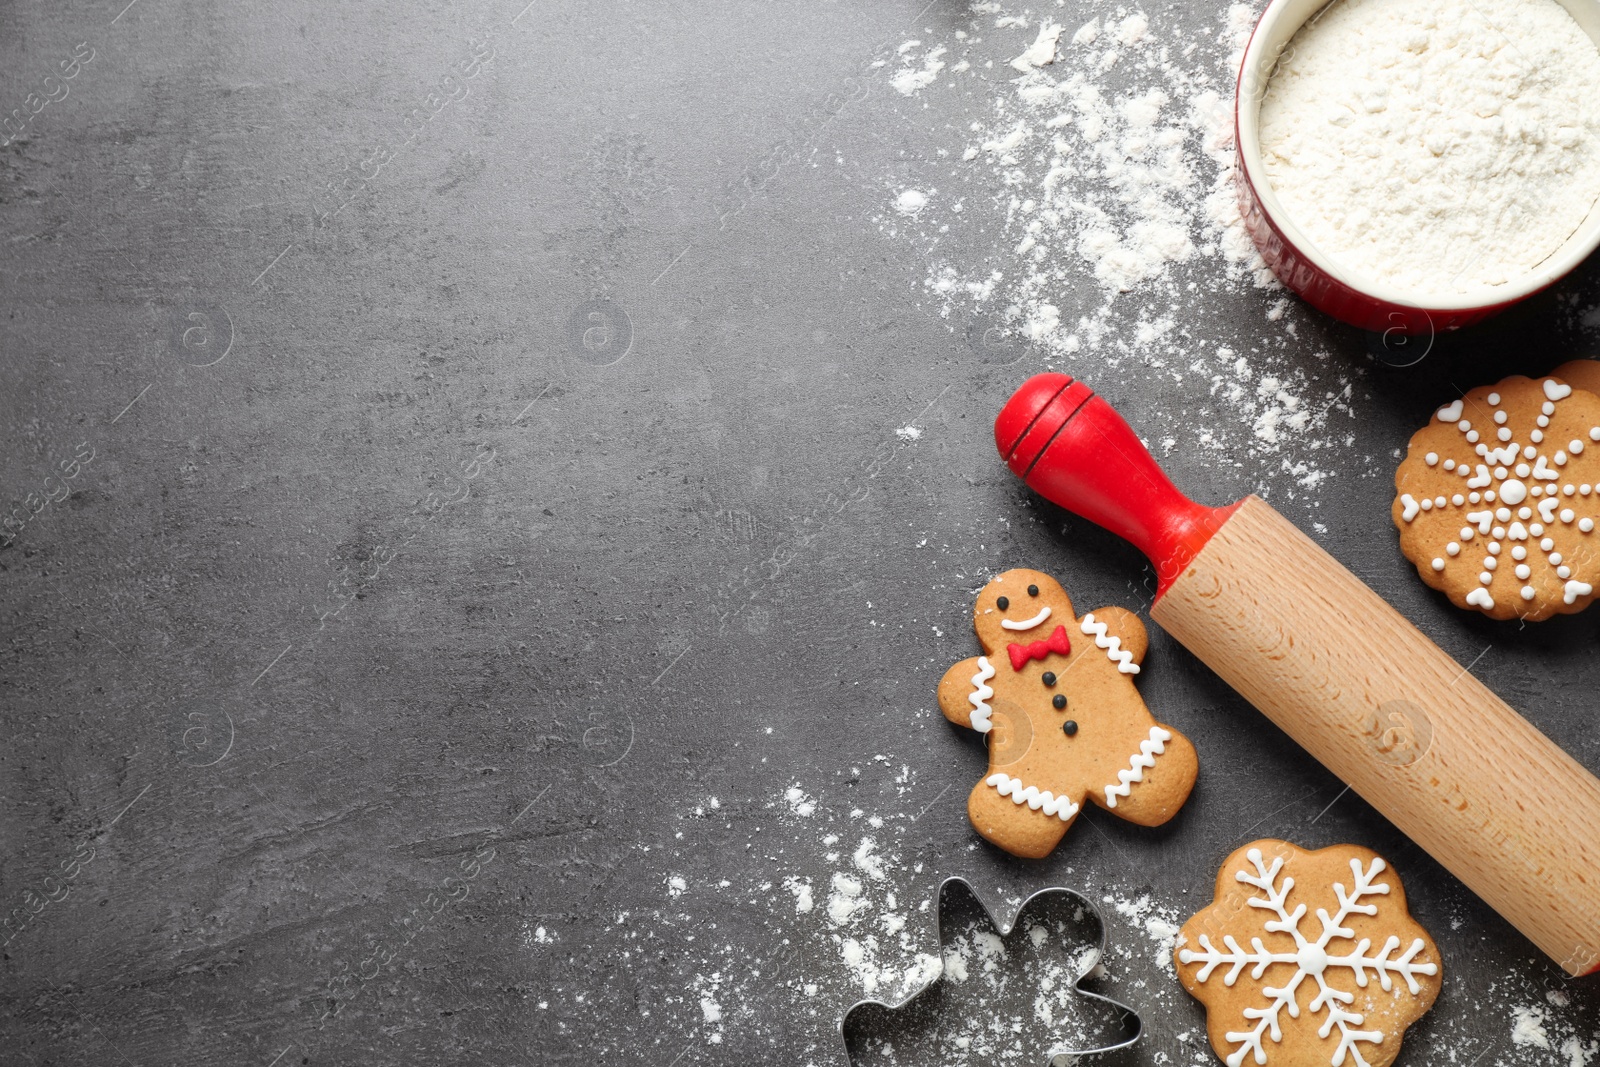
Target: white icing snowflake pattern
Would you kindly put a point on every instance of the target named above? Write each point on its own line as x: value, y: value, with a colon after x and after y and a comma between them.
x: 1314, y: 959
x: 1513, y: 496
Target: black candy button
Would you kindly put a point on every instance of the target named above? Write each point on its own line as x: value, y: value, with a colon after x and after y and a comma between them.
x: 1033, y: 590
x: 1049, y: 678
x: 1003, y: 603
x: 1069, y: 727
x: 1060, y: 702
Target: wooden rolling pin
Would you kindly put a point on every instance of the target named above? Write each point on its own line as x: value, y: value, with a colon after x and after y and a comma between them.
x: 1339, y: 670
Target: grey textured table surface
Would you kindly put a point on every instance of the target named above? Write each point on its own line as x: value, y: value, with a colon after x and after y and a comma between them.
x: 504, y: 490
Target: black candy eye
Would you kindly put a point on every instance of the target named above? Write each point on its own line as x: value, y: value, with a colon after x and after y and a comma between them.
x: 1033, y: 590
x: 1069, y: 728
x: 1049, y: 678
x: 1003, y: 603
x: 1060, y: 702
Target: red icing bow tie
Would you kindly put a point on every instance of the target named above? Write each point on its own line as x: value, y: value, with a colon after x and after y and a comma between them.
x: 1056, y: 642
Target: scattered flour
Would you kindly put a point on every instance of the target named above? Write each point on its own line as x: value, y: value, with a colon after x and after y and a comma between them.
x: 1431, y: 146
x: 911, y: 78
x: 1043, y: 50
x: 911, y: 201
x: 909, y: 433
x: 1109, y: 171
x: 1528, y: 1027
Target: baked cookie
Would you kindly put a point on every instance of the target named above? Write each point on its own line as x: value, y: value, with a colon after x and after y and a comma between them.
x: 1282, y: 988
x: 1054, y: 696
x: 1498, y: 496
x: 1580, y: 374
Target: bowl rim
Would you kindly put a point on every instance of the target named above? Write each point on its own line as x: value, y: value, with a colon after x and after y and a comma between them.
x: 1248, y: 92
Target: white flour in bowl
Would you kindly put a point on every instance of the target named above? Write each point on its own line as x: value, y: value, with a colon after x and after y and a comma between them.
x: 1438, y: 146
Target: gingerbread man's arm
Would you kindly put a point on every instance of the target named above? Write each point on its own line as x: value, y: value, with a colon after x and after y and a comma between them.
x: 1120, y: 623
x: 956, y: 690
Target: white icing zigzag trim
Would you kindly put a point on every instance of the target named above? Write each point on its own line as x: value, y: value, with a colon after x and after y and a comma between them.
x: 1149, y: 749
x: 1037, y: 799
x: 1113, y: 645
x: 979, y: 697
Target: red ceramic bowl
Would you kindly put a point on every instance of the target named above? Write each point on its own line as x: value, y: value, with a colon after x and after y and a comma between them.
x: 1318, y: 277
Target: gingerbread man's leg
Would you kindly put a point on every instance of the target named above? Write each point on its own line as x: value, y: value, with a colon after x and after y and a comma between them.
x: 1017, y: 828
x: 1156, y: 781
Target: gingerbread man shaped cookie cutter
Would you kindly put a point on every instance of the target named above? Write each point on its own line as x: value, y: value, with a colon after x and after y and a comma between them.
x: 923, y: 1008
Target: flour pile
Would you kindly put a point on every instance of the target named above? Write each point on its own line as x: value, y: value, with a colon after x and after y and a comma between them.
x: 1438, y: 147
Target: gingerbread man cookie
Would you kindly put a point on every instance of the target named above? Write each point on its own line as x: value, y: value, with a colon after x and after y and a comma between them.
x: 1498, y: 497
x: 1285, y: 990
x: 1054, y: 696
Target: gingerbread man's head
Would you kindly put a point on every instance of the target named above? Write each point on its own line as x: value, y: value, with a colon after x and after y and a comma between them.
x: 1053, y: 696
x: 1020, y: 606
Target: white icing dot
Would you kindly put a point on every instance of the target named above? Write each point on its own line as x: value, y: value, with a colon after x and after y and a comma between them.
x: 1583, y: 490
x: 1527, y: 592
x: 1523, y: 470
x: 1438, y: 564
x: 1426, y: 504
x: 1485, y: 577
x: 1431, y: 459
x: 1548, y: 408
x: 1561, y: 459
x: 1464, y: 425
x: 1501, y: 474
x: 1494, y: 548
x: 1518, y: 552
x: 1563, y: 572
x: 1529, y: 453
x: 1481, y: 598
x: 1575, y: 446
x: 1536, y: 435
x: 1458, y: 500
x: 1523, y: 571
x: 1568, y: 489
x: 1555, y: 559
x: 1488, y: 494
x: 1449, y: 464
x: 1466, y: 533
x: 1499, y: 417
x: 1524, y: 513
x: 1594, y: 433
x: 1439, y: 501
x: 1472, y: 438
x: 1452, y: 549
x: 1474, y: 497
x: 1503, y: 433
x: 1536, y: 490
x: 1586, y: 524
x: 1535, y: 529
x: 1494, y: 398
x: 1567, y: 515
x: 1489, y: 564
x: 1547, y: 544
x: 1513, y: 491
x: 1498, y: 531
x: 1503, y: 514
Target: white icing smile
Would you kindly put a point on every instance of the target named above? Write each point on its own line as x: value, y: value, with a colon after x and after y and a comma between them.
x: 1027, y: 624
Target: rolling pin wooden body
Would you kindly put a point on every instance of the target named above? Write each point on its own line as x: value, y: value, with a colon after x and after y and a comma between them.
x: 1496, y: 802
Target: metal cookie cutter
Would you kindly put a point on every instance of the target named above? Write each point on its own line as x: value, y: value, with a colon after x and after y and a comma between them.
x: 981, y: 1004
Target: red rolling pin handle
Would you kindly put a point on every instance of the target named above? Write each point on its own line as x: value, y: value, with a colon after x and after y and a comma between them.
x: 1072, y: 448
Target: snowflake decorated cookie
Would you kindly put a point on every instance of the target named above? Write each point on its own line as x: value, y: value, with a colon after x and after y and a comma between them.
x: 1498, y: 498
x: 1308, y: 959
x: 1054, y: 697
